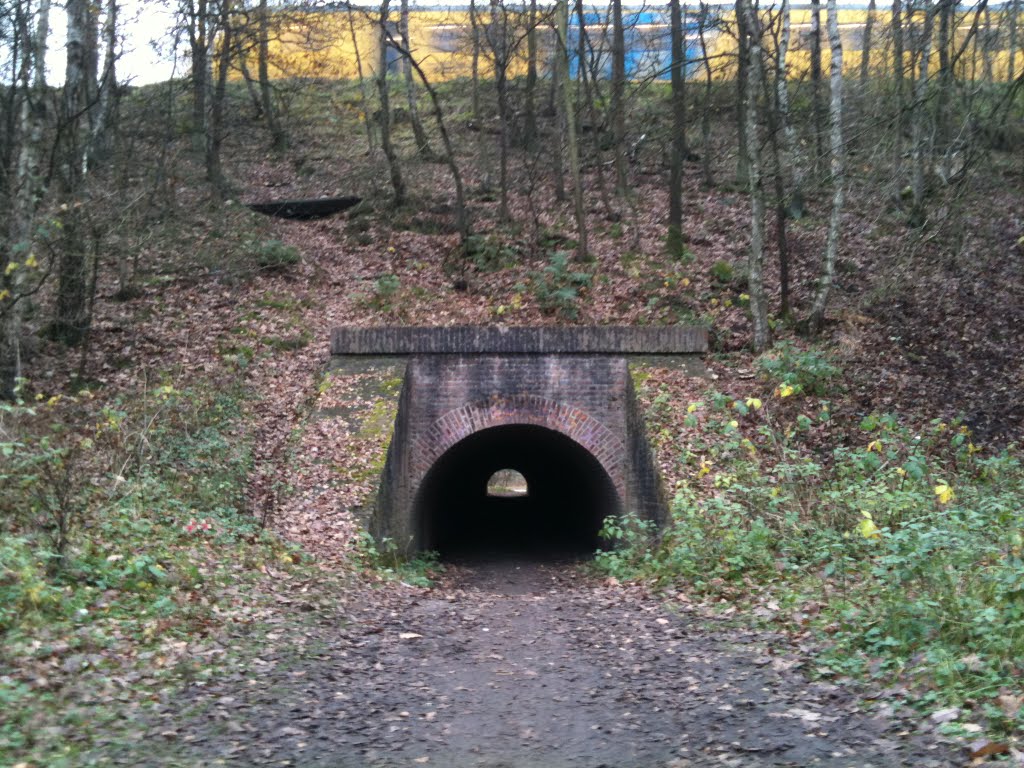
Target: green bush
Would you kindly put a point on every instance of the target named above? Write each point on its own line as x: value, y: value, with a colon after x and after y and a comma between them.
x: 558, y: 287
x: 910, y: 541
x: 275, y: 255
x: 809, y: 371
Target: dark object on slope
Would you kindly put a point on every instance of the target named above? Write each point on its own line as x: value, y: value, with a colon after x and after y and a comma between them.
x: 318, y: 208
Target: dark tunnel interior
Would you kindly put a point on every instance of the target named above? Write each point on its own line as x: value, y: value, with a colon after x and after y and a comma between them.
x: 569, y: 496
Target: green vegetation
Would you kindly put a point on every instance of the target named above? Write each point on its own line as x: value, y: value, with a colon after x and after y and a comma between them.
x: 558, y: 287
x: 389, y: 561
x: 908, y: 544
x: 125, y: 541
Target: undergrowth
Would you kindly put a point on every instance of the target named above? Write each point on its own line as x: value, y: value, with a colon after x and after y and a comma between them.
x: 124, y: 544
x: 907, y: 542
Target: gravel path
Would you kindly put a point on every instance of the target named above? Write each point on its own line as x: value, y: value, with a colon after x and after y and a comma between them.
x: 521, y: 665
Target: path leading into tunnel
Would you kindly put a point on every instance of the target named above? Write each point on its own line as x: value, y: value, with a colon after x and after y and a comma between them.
x: 517, y: 664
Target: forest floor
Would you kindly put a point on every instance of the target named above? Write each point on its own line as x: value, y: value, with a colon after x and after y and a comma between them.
x: 516, y: 665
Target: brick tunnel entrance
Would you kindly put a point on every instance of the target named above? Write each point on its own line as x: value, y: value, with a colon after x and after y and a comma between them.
x: 568, y: 496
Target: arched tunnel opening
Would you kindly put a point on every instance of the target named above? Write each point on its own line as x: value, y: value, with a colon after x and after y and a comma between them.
x: 569, y: 494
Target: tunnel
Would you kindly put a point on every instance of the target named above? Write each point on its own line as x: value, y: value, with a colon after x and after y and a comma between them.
x: 559, y: 514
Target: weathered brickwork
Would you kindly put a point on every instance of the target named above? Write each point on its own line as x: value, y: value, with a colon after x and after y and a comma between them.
x: 518, y: 340
x: 464, y: 383
x: 459, y: 423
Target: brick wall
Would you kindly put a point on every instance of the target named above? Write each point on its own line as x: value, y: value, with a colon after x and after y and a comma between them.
x: 446, y: 398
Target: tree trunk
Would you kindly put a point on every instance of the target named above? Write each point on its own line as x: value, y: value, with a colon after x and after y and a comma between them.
x: 198, y: 46
x: 278, y: 138
x: 420, y: 135
x: 742, y: 76
x: 29, y: 188
x: 364, y: 97
x: 705, y: 118
x: 562, y: 9
x: 497, y: 38
x: 530, y: 98
x: 942, y: 106
x: 215, y: 136
x: 397, y: 182
x: 675, y: 182
x: 837, y: 166
x: 101, y: 141
x: 618, y: 100
x: 71, y: 317
x: 1011, y: 71
x: 795, y: 205
x: 816, y: 87
x: 755, y: 261
x: 865, y: 49
x: 475, y: 65
x: 986, y: 47
x: 559, y: 100
x: 919, y: 118
x: 898, y: 71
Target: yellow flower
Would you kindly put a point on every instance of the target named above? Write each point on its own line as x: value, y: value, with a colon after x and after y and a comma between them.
x: 753, y: 402
x: 785, y: 390
x: 943, y: 493
x: 692, y: 407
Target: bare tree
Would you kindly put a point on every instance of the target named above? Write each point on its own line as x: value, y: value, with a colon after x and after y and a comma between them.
x: 278, y: 136
x: 397, y: 181
x: 865, y: 49
x: 618, y: 105
x: 919, y: 120
x: 420, y: 135
x: 795, y: 206
x: 837, y: 166
x: 755, y: 262
x: 562, y: 19
x: 678, y: 75
x: 16, y: 275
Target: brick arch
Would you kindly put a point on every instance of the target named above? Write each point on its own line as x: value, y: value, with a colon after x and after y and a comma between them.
x: 459, y: 423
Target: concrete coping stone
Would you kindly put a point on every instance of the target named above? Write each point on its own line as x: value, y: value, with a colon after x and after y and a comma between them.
x: 520, y: 340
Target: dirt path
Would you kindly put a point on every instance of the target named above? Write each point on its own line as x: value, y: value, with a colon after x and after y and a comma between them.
x: 520, y: 665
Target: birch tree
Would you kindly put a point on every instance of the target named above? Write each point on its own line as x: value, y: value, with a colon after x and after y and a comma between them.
x: 755, y: 261
x: 618, y: 100
x: 795, y: 206
x: 572, y: 146
x: 675, y: 184
x: 17, y: 260
x: 837, y: 168
x: 397, y: 181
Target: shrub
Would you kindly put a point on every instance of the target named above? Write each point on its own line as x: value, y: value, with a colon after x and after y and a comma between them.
x: 809, y: 371
x: 909, y: 541
x: 275, y: 255
x: 558, y: 287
